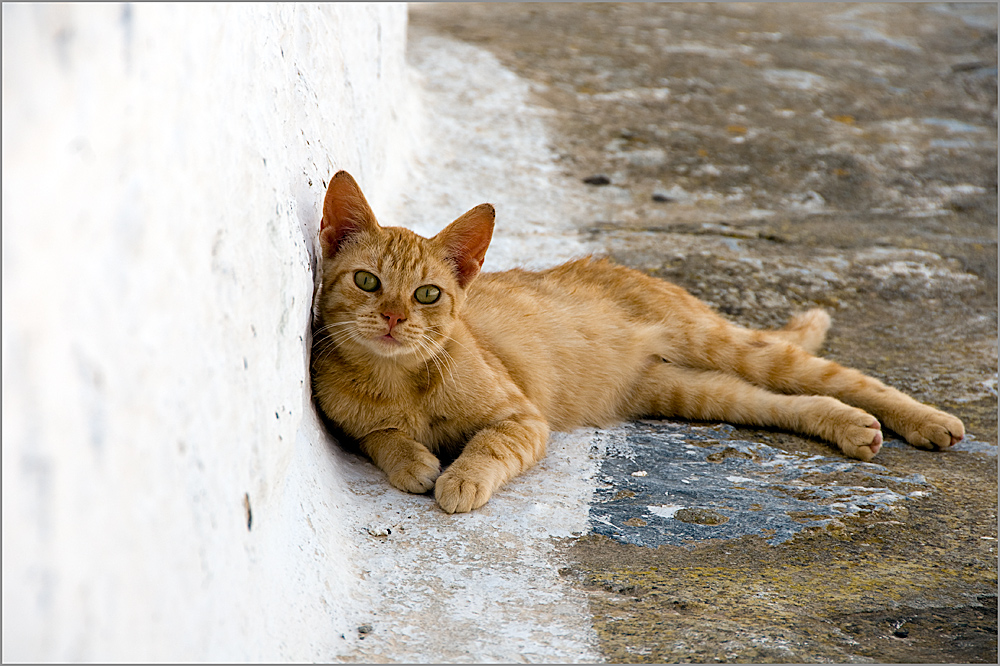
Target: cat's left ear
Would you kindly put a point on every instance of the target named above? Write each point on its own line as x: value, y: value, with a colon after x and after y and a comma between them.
x: 466, y: 239
x: 345, y: 213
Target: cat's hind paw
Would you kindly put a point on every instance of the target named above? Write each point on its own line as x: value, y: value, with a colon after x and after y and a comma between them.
x: 861, y: 441
x: 935, y: 430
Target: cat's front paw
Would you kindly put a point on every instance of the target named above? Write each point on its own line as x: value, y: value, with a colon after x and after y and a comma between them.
x: 933, y: 429
x: 458, y: 491
x: 418, y: 474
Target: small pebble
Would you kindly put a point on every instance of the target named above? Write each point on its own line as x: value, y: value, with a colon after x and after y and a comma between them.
x: 379, y: 530
x: 662, y: 198
x: 599, y: 179
x: 968, y: 66
x: 365, y: 629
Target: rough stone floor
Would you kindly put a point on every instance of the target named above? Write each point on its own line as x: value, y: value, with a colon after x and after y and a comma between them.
x: 772, y: 158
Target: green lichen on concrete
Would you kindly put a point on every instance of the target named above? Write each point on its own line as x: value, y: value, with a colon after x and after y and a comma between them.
x: 831, y: 595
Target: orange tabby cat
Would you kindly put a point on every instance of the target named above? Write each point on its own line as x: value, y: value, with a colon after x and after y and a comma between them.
x: 416, y: 355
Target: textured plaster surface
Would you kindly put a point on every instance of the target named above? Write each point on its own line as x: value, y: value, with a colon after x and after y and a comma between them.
x: 165, y: 492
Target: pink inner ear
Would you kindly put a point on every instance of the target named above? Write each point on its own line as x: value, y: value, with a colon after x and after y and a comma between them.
x: 328, y: 239
x: 466, y: 240
x: 467, y: 269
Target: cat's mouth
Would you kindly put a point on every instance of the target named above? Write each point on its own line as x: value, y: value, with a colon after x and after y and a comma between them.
x: 388, y: 345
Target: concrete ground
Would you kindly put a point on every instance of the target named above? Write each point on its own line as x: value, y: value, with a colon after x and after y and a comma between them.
x: 769, y: 158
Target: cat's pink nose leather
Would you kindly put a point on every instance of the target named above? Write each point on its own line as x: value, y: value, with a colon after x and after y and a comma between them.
x: 393, y: 319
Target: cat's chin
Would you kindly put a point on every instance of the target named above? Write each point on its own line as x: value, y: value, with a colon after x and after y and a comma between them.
x: 388, y: 346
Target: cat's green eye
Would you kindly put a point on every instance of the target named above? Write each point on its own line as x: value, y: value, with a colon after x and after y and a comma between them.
x: 366, y: 281
x: 427, y: 294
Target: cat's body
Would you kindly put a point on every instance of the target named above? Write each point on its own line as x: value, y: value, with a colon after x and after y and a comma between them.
x: 493, y: 363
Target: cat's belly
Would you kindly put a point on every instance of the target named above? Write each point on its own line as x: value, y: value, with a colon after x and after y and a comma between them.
x: 577, y: 374
x: 575, y: 339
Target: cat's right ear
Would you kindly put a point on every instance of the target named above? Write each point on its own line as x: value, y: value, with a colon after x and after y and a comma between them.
x: 345, y: 212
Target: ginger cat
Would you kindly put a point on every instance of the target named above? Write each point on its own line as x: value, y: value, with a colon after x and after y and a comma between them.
x: 417, y: 355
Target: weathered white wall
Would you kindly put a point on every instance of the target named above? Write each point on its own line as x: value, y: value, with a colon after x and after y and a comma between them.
x: 163, y: 172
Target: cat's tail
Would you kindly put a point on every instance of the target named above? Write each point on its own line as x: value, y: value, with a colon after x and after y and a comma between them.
x: 807, y: 330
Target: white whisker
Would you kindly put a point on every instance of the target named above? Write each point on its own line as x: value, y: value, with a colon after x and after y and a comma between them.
x: 436, y: 354
x: 331, y: 340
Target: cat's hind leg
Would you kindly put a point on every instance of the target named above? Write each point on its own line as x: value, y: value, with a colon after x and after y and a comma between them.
x: 768, y: 361
x: 669, y: 390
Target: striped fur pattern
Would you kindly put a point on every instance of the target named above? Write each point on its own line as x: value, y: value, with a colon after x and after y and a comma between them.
x: 486, y: 371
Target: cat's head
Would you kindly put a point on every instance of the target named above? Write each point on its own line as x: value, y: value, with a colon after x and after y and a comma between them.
x: 386, y: 290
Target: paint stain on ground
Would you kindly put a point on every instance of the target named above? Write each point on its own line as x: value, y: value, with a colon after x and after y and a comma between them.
x: 667, y: 483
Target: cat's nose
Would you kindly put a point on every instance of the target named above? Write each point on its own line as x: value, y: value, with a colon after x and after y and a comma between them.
x: 393, y: 319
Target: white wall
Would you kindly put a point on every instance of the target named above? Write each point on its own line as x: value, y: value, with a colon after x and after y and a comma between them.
x: 163, y: 172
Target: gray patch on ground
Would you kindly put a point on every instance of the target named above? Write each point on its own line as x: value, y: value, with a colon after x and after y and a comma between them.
x: 677, y: 484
